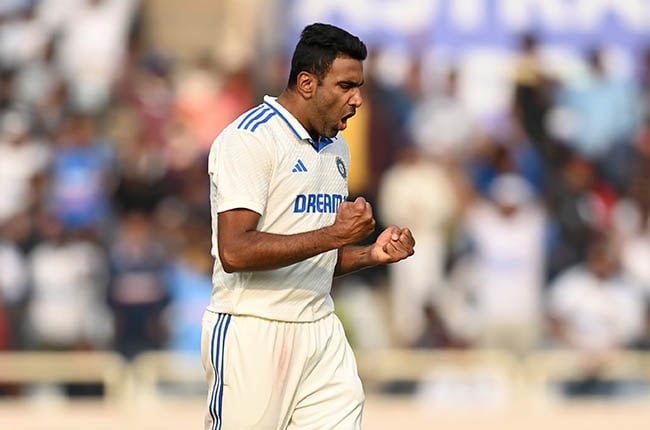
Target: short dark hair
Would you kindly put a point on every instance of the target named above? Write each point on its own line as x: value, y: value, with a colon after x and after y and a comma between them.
x: 317, y: 48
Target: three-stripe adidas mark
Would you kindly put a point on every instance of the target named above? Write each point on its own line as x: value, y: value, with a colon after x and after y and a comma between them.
x: 299, y: 167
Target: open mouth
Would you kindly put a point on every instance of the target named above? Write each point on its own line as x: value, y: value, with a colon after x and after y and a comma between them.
x: 343, y: 123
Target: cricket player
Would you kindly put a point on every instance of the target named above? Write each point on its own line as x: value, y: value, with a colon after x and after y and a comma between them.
x: 275, y: 354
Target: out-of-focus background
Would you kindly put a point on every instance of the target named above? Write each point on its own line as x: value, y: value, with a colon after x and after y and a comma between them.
x: 512, y: 136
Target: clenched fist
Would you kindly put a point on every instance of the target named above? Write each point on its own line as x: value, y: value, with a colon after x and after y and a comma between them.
x: 393, y: 244
x: 354, y: 221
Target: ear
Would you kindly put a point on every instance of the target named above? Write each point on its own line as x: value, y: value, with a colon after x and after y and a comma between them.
x: 306, y: 84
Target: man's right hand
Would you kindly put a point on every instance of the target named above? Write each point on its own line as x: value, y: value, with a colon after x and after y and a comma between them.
x: 354, y: 221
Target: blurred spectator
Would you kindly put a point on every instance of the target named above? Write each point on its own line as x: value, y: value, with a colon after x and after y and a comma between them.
x: 441, y: 124
x: 504, y: 265
x: 6, y: 88
x: 55, y: 14
x: 92, y: 50
x: 605, y: 112
x: 638, y: 169
x: 54, y: 108
x: 420, y: 193
x: 141, y: 179
x: 634, y: 238
x: 594, y: 308
x: 82, y: 175
x: 190, y: 186
x: 397, y: 75
x: 532, y: 93
x: 581, y: 204
x: 190, y: 284
x: 148, y: 97
x: 389, y: 109
x: 182, y: 147
x: 138, y: 292
x: 502, y: 154
x: 23, y: 38
x: 9, y: 7
x: 23, y: 158
x: 209, y: 98
x: 14, y: 279
x: 36, y: 83
x: 67, y: 306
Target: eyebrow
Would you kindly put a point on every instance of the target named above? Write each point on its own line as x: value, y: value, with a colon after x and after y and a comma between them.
x: 351, y: 83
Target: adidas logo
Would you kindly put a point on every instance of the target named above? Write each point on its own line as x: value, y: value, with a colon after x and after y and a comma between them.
x: 299, y: 167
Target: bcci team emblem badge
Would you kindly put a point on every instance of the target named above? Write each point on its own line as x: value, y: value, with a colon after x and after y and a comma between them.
x: 341, y: 166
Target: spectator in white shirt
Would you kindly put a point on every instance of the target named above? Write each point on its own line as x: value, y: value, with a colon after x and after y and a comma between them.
x: 596, y: 310
x: 503, y: 270
x: 421, y: 193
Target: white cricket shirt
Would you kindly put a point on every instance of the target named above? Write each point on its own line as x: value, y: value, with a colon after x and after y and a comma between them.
x: 265, y: 161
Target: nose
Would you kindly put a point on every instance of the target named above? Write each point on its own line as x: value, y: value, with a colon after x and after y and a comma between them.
x: 356, y: 100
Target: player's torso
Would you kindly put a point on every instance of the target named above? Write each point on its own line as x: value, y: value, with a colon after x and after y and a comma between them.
x: 305, y: 188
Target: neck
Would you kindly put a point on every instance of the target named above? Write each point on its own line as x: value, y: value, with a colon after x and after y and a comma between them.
x: 297, y: 106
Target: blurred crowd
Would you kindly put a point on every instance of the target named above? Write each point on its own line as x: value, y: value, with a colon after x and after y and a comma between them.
x: 532, y: 224
x: 104, y: 213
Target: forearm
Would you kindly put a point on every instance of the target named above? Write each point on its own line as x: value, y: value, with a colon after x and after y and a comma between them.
x: 242, y: 247
x: 352, y: 258
x: 257, y: 250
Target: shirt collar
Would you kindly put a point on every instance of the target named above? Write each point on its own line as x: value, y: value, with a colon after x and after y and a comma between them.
x: 295, y: 125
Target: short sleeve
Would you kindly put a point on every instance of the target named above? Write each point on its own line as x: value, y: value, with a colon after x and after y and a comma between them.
x: 240, y: 167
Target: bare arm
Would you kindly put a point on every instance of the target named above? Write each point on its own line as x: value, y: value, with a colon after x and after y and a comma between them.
x: 243, y: 248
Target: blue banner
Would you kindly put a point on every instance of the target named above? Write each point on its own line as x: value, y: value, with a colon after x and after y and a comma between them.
x: 456, y: 25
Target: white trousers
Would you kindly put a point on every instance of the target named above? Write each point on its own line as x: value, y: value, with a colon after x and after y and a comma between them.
x: 273, y: 375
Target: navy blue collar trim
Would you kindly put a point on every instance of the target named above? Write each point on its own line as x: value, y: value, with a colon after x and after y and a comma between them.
x: 318, y: 146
